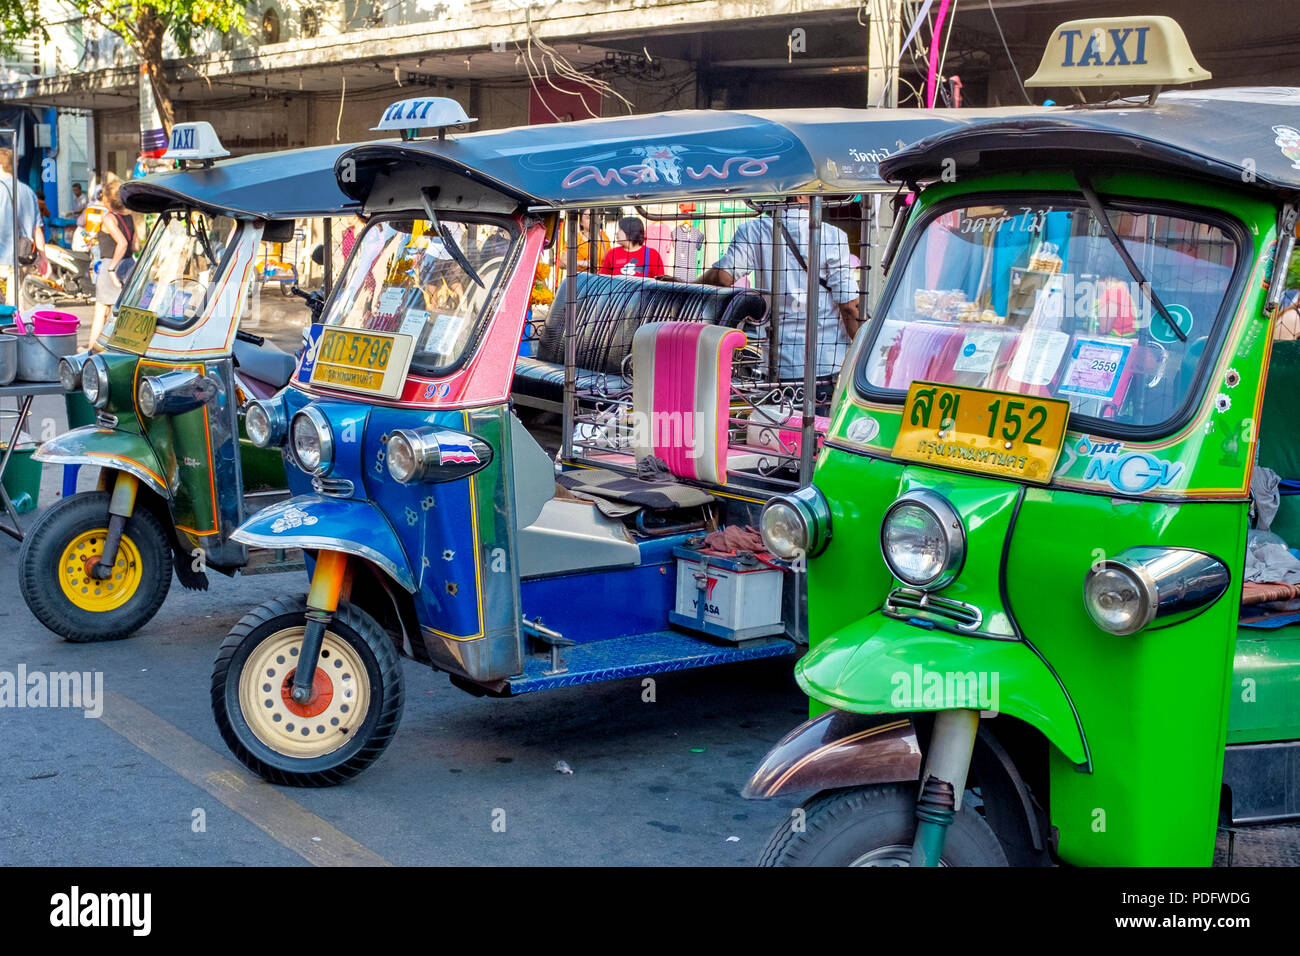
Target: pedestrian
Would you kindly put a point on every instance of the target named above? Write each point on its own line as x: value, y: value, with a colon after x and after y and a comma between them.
x: 116, y: 243
x: 30, y: 240
x: 632, y: 257
x: 837, y: 305
x: 79, y: 198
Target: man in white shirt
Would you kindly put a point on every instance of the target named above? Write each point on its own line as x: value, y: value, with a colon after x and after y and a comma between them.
x: 837, y: 308
x: 29, y: 224
x: 79, y: 198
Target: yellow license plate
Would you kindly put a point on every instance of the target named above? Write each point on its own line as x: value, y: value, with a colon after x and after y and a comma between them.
x: 133, y: 330
x: 1000, y: 434
x: 361, y: 361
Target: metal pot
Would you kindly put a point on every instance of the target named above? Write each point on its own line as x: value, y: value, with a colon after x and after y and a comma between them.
x: 8, y: 359
x: 38, y: 355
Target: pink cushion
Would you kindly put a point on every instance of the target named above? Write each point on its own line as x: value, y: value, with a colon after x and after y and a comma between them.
x: 681, y: 390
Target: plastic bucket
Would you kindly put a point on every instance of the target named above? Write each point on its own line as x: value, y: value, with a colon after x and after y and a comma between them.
x: 51, y: 323
x: 38, y: 355
x: 22, y: 479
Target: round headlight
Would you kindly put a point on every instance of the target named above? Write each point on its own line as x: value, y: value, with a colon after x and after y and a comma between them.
x: 783, y: 529
x: 403, y: 461
x: 148, y: 395
x: 94, y: 381
x: 923, y: 540
x: 69, y: 375
x: 312, y: 441
x: 1118, y: 600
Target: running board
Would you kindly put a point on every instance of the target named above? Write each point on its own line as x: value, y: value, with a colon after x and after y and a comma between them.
x: 636, y: 655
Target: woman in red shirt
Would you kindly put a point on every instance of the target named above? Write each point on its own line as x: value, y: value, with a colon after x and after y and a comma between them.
x: 632, y: 257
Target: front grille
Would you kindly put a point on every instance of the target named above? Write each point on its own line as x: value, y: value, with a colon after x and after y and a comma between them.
x: 105, y: 420
x: 912, y: 602
x: 334, y: 487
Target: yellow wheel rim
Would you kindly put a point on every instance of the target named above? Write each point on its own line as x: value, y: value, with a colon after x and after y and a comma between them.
x: 85, y: 590
x: 337, y: 709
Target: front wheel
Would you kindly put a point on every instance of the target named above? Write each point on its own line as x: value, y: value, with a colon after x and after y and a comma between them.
x: 351, y: 717
x: 874, y: 826
x: 57, y: 562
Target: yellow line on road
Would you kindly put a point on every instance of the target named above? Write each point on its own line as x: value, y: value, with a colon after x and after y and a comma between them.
x: 286, y: 821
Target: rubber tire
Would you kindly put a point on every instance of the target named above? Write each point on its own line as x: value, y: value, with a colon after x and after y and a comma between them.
x: 38, y: 569
x: 383, y: 669
x: 842, y: 825
x: 37, y: 291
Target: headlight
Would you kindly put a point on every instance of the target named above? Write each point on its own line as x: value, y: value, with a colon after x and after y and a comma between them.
x: 94, y: 381
x: 796, y: 525
x: 264, y: 423
x: 923, y: 540
x: 312, y: 441
x: 403, y: 463
x: 1128, y: 592
x: 70, y: 367
x: 148, y: 396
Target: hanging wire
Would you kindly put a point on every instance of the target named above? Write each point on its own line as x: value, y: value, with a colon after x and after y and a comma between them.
x: 1006, y: 49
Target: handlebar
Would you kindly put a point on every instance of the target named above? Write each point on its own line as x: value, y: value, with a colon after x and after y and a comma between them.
x: 294, y: 290
x: 249, y: 337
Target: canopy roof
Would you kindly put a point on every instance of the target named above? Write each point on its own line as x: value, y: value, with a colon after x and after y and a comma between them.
x: 654, y: 158
x: 291, y: 184
x: 1249, y: 136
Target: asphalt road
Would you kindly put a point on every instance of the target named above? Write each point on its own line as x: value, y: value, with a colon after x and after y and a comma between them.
x: 149, y: 781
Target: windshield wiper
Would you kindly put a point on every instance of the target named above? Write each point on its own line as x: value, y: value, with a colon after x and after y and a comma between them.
x: 448, y: 242
x: 1099, y: 213
x: 207, y: 246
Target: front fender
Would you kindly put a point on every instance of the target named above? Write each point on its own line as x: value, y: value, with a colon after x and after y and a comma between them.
x: 107, y: 448
x: 838, y: 749
x: 878, y: 665
x: 321, y: 523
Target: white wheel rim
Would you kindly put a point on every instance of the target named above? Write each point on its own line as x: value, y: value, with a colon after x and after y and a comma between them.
x: 329, y: 720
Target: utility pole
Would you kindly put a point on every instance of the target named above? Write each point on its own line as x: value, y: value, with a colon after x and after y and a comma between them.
x: 884, y: 23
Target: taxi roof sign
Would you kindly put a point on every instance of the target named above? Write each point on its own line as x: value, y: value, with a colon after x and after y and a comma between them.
x: 194, y: 141
x: 423, y: 112
x: 1118, y: 51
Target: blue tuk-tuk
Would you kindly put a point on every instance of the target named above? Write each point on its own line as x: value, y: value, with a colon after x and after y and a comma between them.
x: 667, y: 397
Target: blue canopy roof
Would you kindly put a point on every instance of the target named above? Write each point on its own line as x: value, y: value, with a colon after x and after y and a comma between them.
x: 662, y: 157
x: 291, y: 184
x: 1249, y: 136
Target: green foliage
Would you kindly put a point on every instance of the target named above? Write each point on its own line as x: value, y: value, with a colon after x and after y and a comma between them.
x: 1293, y: 273
x: 184, y: 20
x: 19, y: 20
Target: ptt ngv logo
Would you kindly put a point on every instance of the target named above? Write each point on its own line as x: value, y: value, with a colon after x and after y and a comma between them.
x: 1131, y: 473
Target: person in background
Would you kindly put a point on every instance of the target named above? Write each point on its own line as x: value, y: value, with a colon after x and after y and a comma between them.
x: 79, y: 198
x: 30, y: 231
x: 837, y: 304
x: 1287, y: 326
x: 116, y: 243
x: 632, y: 257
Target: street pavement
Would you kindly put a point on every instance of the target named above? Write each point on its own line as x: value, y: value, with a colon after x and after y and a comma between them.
x: 465, y: 781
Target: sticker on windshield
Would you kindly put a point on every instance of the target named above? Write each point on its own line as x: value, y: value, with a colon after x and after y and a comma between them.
x: 978, y: 351
x: 1160, y: 330
x: 1038, y: 356
x: 1096, y: 366
x: 388, y: 306
x: 443, y: 334
x: 413, y: 323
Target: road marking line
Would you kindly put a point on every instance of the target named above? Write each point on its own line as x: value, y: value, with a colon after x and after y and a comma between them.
x: 286, y: 821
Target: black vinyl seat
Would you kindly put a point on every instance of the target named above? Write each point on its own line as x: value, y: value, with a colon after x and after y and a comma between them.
x: 610, y: 310
x: 265, y: 362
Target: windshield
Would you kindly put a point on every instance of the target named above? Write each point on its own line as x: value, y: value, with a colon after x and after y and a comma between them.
x: 404, y: 278
x: 174, y: 275
x: 1032, y: 297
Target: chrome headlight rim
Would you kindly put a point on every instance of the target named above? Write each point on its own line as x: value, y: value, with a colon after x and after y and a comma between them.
x: 97, y: 367
x: 423, y: 447
x: 809, y: 506
x: 277, y: 422
x: 324, y: 436
x: 1142, y: 583
x: 70, y: 370
x: 954, y: 533
x: 149, y: 395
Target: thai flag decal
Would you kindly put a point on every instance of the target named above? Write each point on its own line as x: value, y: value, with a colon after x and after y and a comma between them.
x: 456, y: 451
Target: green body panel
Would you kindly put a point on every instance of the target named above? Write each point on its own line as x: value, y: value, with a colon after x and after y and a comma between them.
x: 1136, y: 781
x: 182, y: 445
x: 1264, y: 702
x: 262, y: 468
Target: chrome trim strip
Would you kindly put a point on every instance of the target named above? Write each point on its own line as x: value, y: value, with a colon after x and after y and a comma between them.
x: 104, y: 461
x: 906, y: 602
x: 324, y: 543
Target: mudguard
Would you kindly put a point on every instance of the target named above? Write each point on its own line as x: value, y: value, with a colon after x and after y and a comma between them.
x: 878, y: 665
x: 318, y: 522
x: 106, y: 448
x: 838, y: 749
